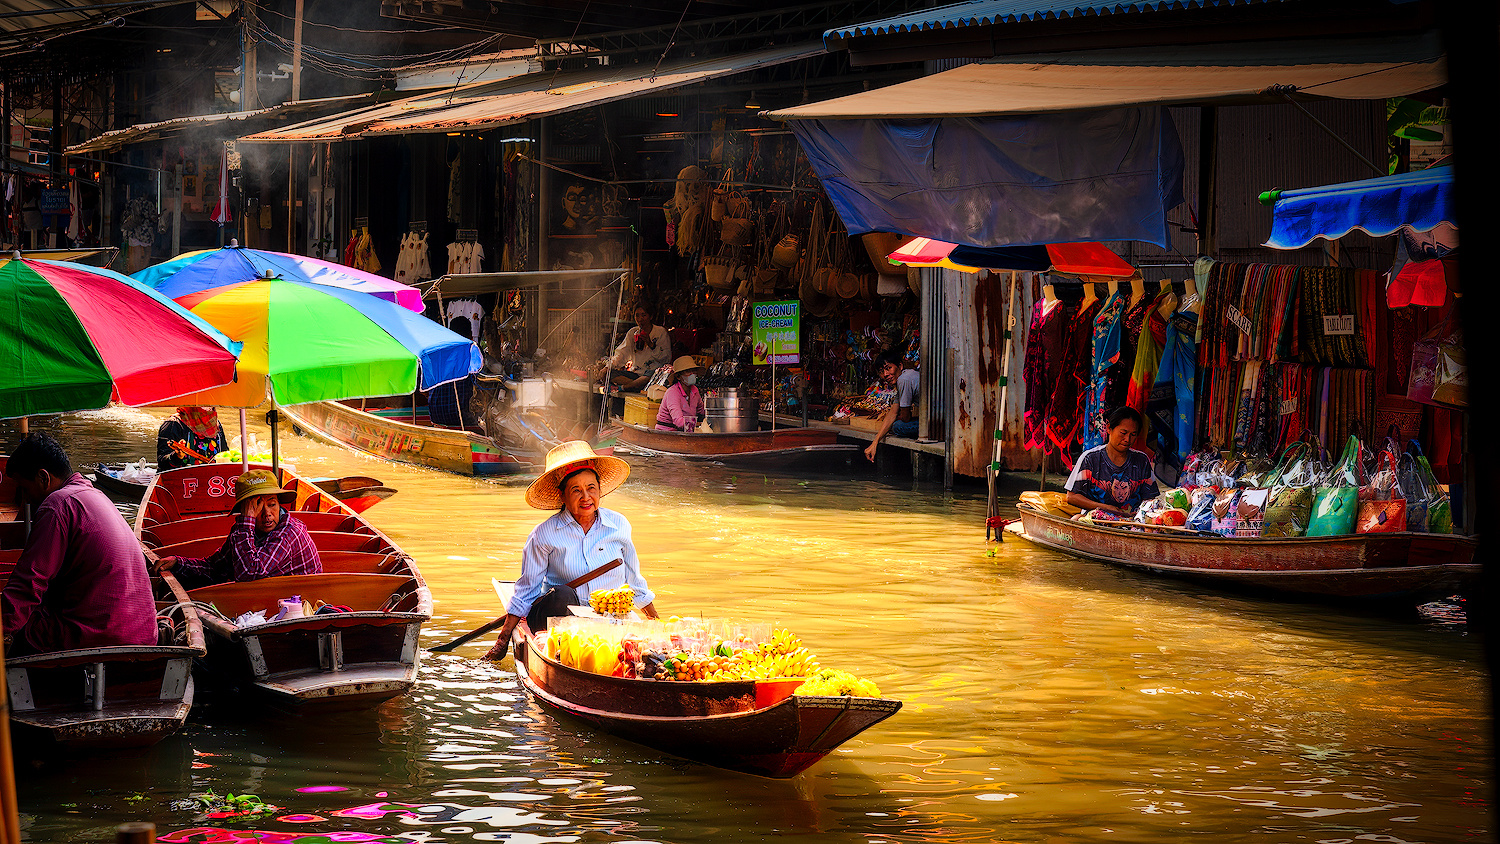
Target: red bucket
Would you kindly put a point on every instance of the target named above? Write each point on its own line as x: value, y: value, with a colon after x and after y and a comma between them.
x: 771, y: 692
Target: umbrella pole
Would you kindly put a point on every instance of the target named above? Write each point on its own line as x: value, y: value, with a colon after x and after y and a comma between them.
x: 994, y: 468
x: 244, y: 444
x: 10, y: 817
x: 273, y: 417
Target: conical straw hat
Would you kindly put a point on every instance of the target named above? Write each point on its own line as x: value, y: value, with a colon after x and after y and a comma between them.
x: 544, y: 492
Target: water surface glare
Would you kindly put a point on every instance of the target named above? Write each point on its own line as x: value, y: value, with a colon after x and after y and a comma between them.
x: 1046, y: 699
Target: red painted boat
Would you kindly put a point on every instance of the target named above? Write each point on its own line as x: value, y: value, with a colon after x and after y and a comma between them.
x: 358, y: 493
x: 336, y: 660
x: 1365, y: 566
x: 740, y: 445
x: 742, y: 725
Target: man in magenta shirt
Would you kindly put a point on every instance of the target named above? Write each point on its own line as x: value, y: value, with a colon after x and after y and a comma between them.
x: 82, y: 580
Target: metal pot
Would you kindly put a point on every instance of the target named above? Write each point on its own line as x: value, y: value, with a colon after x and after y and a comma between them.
x: 731, y: 412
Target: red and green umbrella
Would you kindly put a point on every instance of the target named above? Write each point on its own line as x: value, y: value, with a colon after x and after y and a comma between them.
x: 76, y: 338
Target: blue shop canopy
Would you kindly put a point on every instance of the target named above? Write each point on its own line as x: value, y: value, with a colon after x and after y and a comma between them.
x: 1380, y: 206
x: 1002, y: 181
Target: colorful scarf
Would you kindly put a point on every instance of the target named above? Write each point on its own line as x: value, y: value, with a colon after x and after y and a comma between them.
x: 203, y: 421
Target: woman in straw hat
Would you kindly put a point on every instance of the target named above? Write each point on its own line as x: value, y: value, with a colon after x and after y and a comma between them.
x: 682, y: 406
x: 580, y: 548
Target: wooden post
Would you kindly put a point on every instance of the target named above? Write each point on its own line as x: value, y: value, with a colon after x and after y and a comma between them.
x: 136, y: 832
x: 297, y: 53
x: 10, y: 813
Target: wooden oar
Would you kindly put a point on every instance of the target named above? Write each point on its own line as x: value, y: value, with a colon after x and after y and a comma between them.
x: 473, y: 634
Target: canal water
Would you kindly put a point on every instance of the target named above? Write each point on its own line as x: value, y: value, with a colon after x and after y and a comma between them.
x: 1046, y: 699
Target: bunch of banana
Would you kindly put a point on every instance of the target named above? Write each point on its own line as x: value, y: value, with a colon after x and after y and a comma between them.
x: 617, y: 601
x: 783, y: 641
x: 798, y: 663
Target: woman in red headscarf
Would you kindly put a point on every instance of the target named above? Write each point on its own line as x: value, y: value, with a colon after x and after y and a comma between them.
x: 189, y: 437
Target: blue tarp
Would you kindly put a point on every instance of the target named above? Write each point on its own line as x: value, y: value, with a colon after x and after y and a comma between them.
x: 1002, y: 181
x: 1377, y: 206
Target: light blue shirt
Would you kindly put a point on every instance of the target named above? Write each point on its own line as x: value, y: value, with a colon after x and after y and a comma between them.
x: 558, y: 551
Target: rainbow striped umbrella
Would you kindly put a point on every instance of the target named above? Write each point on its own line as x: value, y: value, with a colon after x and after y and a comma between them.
x: 76, y: 338
x: 306, y: 342
x: 1091, y: 259
x: 194, y: 272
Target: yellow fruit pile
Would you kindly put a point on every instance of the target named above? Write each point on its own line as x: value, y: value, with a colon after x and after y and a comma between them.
x: 783, y: 656
x: 831, y: 682
x: 617, y: 601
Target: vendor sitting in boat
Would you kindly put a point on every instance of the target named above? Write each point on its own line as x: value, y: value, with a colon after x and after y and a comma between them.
x: 580, y: 548
x: 682, y: 406
x: 643, y: 351
x: 81, y: 581
x: 1114, y: 477
x: 265, y: 540
x: 189, y: 437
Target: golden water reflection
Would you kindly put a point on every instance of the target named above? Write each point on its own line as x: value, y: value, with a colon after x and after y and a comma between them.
x: 1047, y: 699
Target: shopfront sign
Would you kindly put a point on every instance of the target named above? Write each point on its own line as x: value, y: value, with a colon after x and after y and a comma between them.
x: 1338, y: 325
x: 776, y: 332
x: 54, y: 202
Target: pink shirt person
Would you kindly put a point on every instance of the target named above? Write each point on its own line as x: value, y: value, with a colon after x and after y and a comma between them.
x: 82, y: 580
x: 681, y: 408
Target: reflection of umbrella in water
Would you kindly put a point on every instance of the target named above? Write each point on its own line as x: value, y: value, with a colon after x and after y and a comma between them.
x: 307, y: 342
x: 76, y: 338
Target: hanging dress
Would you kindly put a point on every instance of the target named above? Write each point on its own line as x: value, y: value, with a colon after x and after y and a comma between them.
x: 1108, y: 325
x: 1169, y: 406
x: 1044, y: 341
x: 1148, y: 349
x: 1065, y: 413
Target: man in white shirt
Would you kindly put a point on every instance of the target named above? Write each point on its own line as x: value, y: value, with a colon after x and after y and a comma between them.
x: 899, y: 418
x: 645, y: 349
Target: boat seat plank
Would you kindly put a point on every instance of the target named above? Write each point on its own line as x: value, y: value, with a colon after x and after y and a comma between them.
x: 359, y: 592
x: 219, y: 525
x: 322, y: 540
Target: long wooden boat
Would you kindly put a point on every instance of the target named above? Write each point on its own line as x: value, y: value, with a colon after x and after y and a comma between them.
x: 340, y: 659
x: 404, y: 438
x: 109, y: 697
x: 740, y: 725
x: 741, y: 445
x: 107, y: 478
x: 358, y: 493
x: 1373, y: 566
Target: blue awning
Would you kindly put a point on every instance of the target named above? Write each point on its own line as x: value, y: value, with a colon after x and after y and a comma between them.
x: 1380, y: 206
x: 1002, y: 181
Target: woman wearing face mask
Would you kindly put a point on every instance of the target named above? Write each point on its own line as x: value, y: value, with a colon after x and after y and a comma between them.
x: 682, y: 406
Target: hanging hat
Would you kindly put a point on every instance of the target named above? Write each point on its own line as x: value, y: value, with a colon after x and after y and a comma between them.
x: 684, y: 365
x: 545, y: 493
x: 261, y: 482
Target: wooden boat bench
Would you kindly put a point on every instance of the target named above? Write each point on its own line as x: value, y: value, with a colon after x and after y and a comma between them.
x: 358, y: 592
x: 204, y: 526
x: 322, y: 540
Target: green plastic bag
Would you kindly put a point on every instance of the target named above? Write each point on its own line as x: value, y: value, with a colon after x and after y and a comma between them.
x: 1336, y: 498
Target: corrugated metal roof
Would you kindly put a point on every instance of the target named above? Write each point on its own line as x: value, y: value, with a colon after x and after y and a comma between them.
x: 143, y: 132
x: 991, y: 12
x: 497, y: 103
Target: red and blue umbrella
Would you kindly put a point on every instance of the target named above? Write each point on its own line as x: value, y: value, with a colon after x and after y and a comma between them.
x: 195, y: 272
x: 76, y: 338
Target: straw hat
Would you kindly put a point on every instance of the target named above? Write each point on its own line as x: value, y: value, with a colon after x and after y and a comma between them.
x: 261, y: 482
x: 544, y: 494
x: 684, y: 365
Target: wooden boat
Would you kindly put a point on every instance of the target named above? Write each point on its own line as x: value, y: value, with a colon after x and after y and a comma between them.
x: 742, y: 445
x: 741, y: 725
x: 406, y: 437
x: 358, y: 493
x: 340, y: 659
x: 107, y: 478
x: 110, y: 697
x: 1366, y: 566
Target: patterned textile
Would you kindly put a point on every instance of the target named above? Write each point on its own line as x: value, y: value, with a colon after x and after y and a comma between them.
x: 1097, y: 478
x: 1152, y: 338
x: 1169, y: 407
x: 1108, y: 325
x: 177, y: 445
x: 247, y: 554
x: 1044, y: 355
x: 1065, y: 413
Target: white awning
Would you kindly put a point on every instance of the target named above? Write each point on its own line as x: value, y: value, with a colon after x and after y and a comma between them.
x: 1092, y: 80
x: 497, y: 103
x: 230, y: 121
